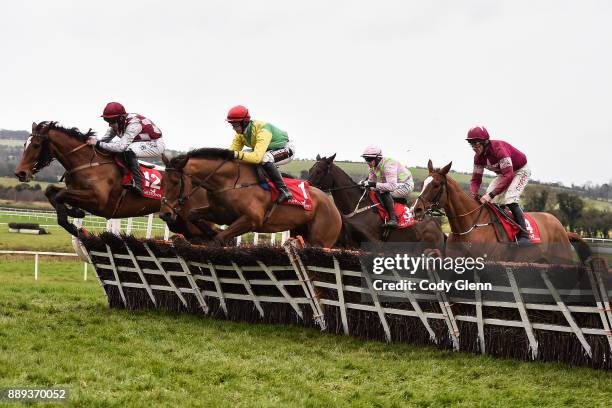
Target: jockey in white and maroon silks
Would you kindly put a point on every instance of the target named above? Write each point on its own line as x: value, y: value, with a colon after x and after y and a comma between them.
x: 138, y: 137
x: 513, y: 173
x: 389, y: 177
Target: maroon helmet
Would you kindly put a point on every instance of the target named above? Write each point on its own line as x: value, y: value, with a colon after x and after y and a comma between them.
x: 477, y: 133
x: 113, y: 110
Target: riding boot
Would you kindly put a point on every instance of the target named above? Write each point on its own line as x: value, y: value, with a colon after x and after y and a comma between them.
x: 272, y: 171
x: 519, y: 217
x: 389, y: 204
x: 132, y: 162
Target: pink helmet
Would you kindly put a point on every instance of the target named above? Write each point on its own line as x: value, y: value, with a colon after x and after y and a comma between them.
x: 372, y: 151
x: 478, y: 132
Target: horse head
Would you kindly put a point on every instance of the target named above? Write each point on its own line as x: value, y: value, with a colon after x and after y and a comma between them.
x: 173, y: 186
x: 36, y: 153
x: 432, y: 195
x: 320, y: 175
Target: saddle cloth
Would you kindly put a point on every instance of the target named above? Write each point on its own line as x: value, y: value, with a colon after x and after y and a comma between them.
x: 299, y: 189
x: 151, y: 179
x: 511, y: 228
x: 405, y: 218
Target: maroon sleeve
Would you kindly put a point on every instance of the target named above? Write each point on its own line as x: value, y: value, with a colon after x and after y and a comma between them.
x: 476, y: 180
x: 506, y: 170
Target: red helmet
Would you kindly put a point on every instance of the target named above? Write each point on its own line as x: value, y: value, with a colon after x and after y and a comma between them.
x: 478, y: 132
x: 238, y: 114
x: 113, y: 109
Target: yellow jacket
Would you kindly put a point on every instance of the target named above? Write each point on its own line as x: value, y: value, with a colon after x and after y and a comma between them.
x: 261, y: 137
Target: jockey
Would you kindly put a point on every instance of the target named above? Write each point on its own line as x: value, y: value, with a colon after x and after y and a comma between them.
x: 138, y: 137
x: 389, y: 177
x: 268, y: 146
x: 512, y: 171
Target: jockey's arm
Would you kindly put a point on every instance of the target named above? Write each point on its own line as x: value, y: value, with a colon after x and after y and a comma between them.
x: 476, y: 180
x: 237, y: 143
x: 390, y: 183
x: 121, y: 145
x: 110, y: 135
x: 262, y: 141
x: 507, y: 174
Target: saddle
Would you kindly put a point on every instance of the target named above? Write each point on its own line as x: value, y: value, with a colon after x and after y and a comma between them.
x: 405, y: 218
x: 151, y: 177
x: 507, y: 229
x: 299, y: 189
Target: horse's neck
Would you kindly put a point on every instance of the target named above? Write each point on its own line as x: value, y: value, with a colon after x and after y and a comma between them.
x: 61, y: 146
x: 457, y: 204
x: 345, y: 198
x: 218, y: 175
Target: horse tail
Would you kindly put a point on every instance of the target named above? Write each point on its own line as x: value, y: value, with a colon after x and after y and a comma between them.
x: 580, y: 245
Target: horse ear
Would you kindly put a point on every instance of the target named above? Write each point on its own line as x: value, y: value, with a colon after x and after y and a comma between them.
x: 430, y: 166
x: 318, y: 157
x: 446, y: 168
x: 165, y: 160
x: 331, y: 158
x: 34, y: 127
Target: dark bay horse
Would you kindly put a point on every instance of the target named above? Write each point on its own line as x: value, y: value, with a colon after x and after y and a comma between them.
x: 236, y: 199
x: 471, y: 223
x: 93, y: 179
x: 365, y: 226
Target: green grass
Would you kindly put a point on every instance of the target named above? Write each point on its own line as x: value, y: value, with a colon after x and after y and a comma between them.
x: 11, y: 142
x: 59, y: 332
x: 12, y: 181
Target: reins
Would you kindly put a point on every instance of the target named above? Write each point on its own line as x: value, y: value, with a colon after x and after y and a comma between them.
x: 433, y: 209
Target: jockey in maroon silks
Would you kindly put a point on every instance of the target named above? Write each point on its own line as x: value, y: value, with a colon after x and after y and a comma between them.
x: 513, y: 173
x: 137, y: 137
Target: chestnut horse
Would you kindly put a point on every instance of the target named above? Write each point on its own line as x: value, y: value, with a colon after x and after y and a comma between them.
x: 365, y: 226
x: 93, y: 180
x: 236, y: 199
x: 471, y: 222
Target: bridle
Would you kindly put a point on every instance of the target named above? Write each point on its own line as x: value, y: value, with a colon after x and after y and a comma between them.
x: 38, y: 166
x: 203, y: 183
x: 435, y: 210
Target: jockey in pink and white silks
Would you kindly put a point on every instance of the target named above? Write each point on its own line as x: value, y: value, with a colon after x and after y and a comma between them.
x: 512, y: 170
x: 389, y: 177
x: 138, y: 137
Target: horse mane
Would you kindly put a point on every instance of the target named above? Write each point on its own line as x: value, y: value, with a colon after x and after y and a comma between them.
x: 179, y: 161
x: 74, y: 132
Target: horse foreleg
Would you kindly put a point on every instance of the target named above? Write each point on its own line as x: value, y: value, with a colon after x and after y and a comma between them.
x: 77, y: 199
x: 242, y: 225
x: 52, y: 193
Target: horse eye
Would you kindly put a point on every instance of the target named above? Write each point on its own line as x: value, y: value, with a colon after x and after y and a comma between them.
x: 35, y: 145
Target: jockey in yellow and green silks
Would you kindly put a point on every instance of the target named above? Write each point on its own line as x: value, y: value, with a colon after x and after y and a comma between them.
x: 266, y: 145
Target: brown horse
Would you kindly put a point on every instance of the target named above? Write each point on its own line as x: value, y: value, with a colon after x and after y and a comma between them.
x: 236, y: 199
x: 364, y: 226
x: 471, y: 222
x: 93, y: 179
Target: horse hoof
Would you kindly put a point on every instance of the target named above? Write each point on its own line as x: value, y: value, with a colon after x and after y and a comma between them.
x: 76, y: 213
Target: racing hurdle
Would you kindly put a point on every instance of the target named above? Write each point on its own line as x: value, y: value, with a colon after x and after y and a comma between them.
x: 530, y: 317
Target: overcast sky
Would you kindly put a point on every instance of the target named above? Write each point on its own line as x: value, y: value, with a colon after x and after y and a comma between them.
x: 411, y: 76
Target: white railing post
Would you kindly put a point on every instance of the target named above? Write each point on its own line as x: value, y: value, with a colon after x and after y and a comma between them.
x: 166, y: 232
x: 285, y: 236
x: 255, y: 238
x: 238, y: 240
x: 35, y: 266
x: 149, y: 226
x: 128, y: 228
x: 273, y: 238
x: 84, y: 271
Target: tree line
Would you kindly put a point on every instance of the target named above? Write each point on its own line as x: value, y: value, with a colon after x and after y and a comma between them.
x: 570, y: 209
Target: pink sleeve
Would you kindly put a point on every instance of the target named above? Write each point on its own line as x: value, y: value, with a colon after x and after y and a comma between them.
x: 390, y: 183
